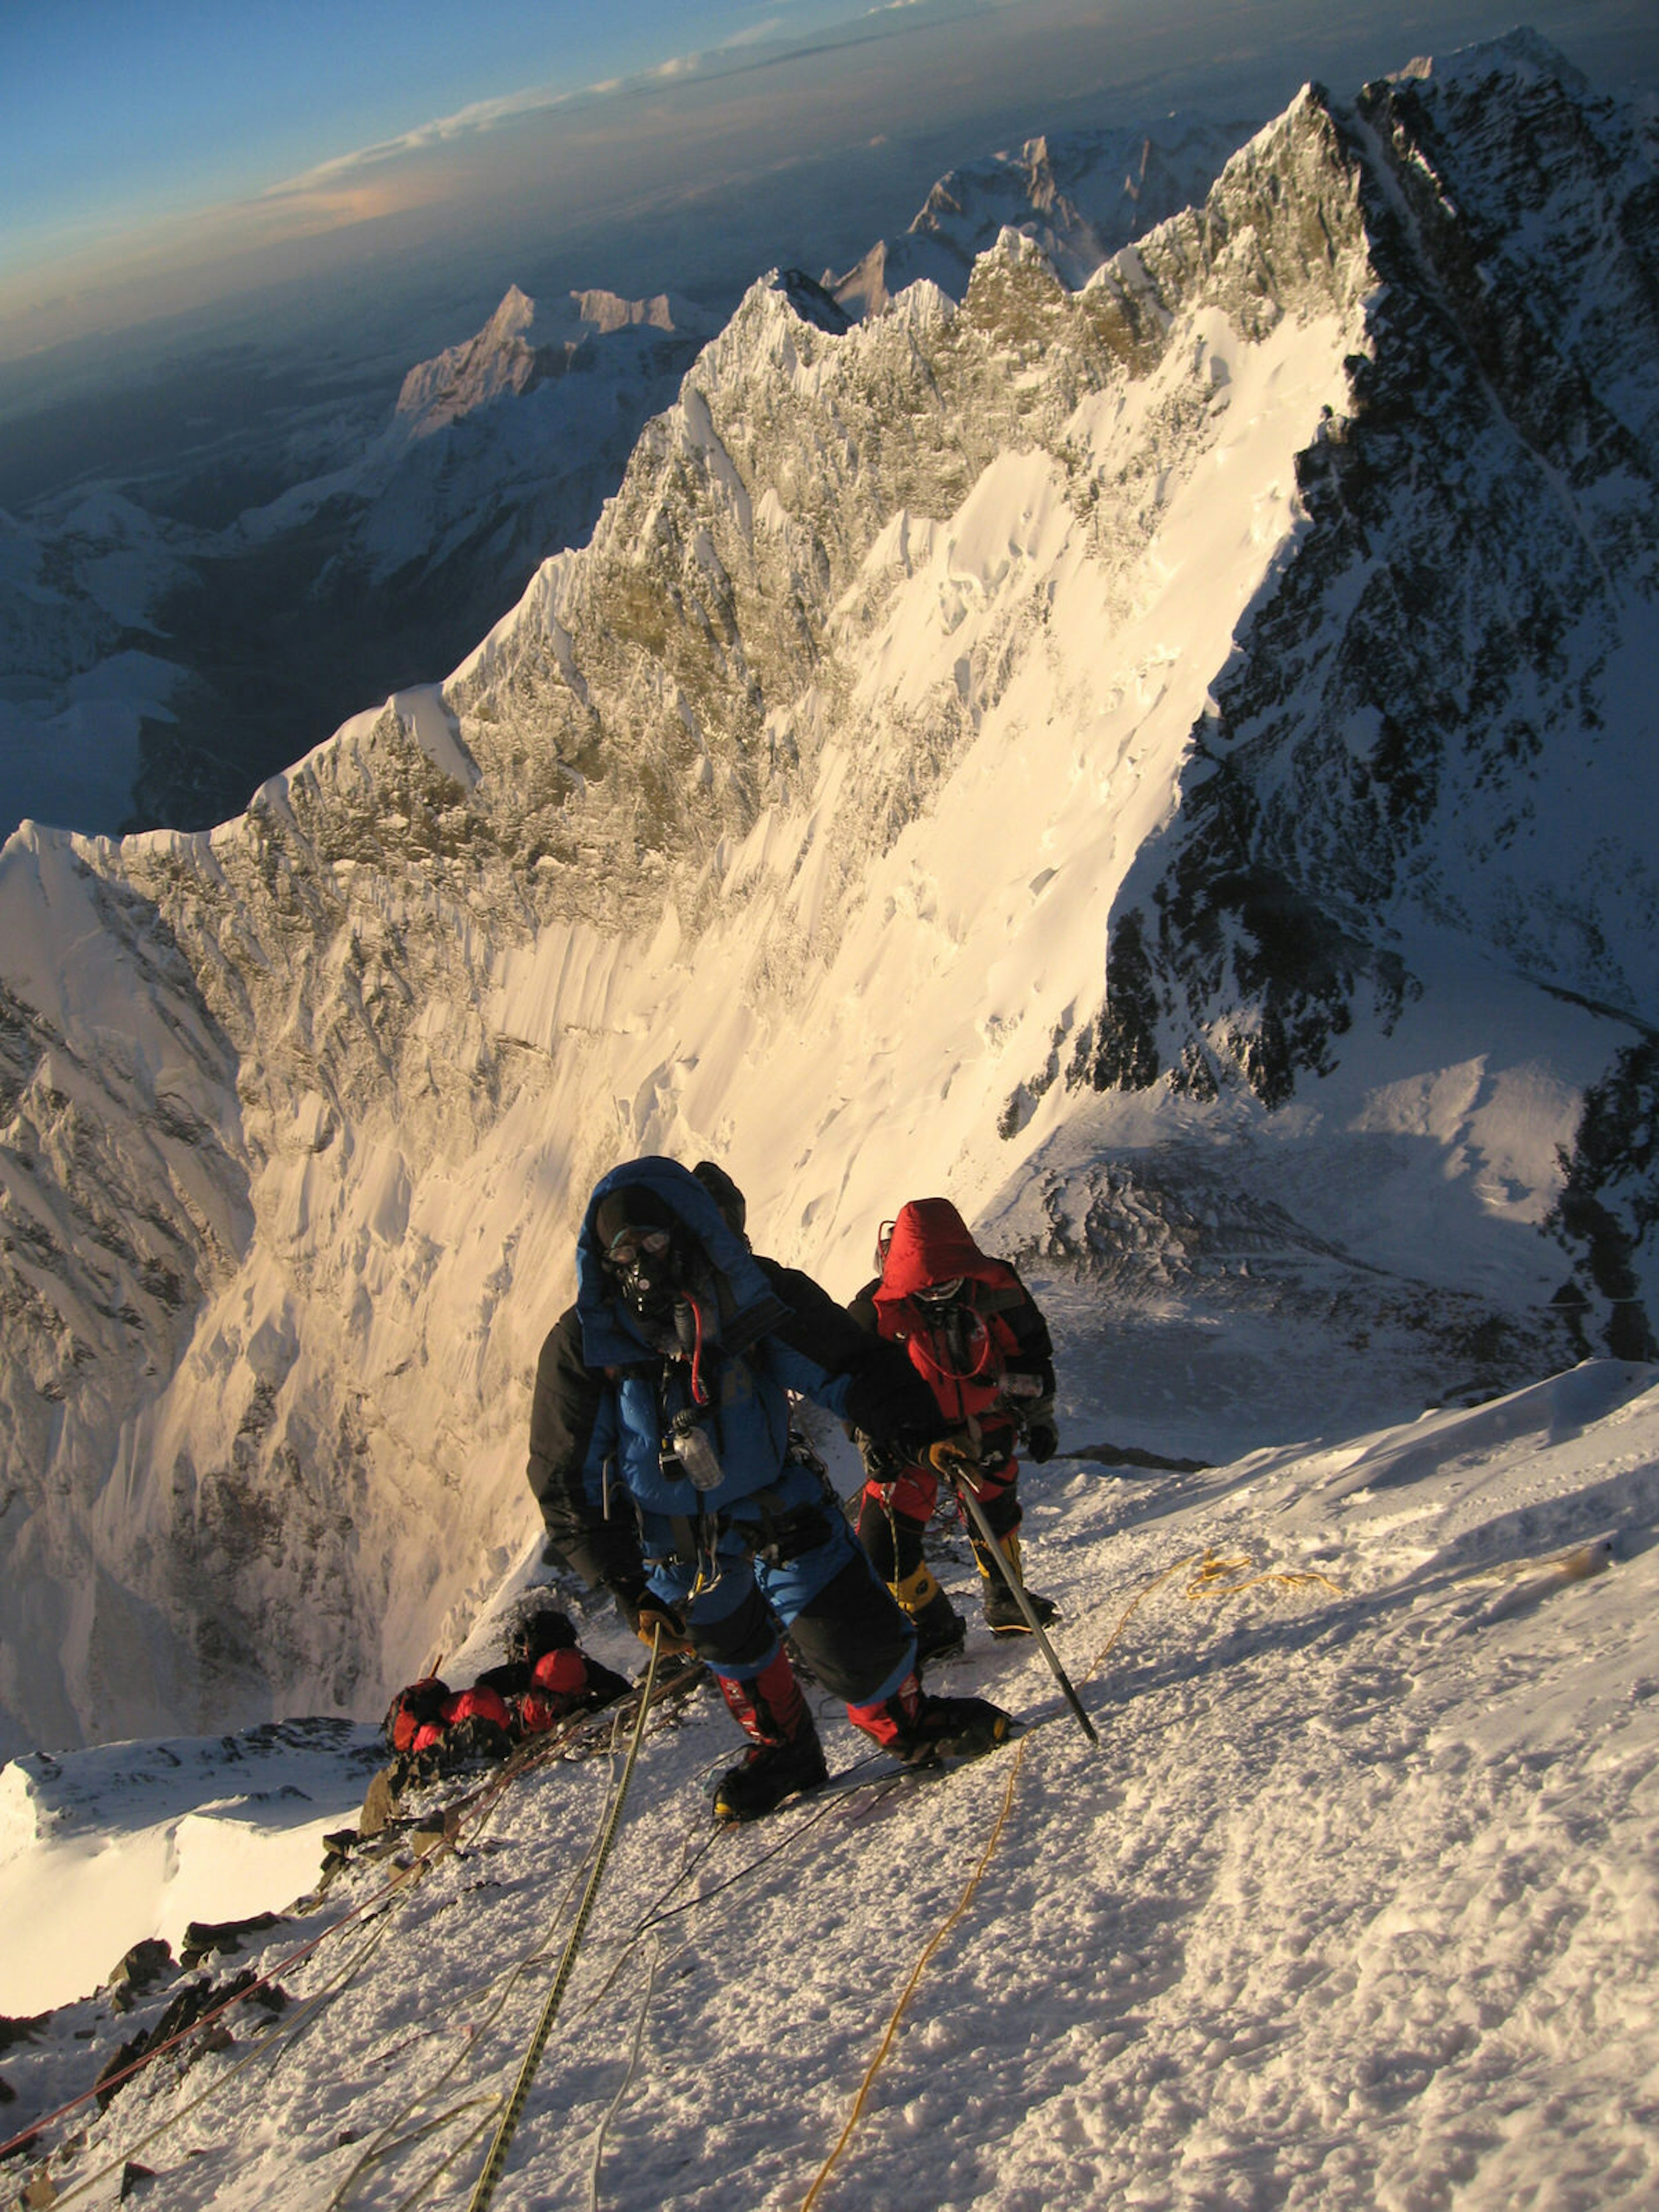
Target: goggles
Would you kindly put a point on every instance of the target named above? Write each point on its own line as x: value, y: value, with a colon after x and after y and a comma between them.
x: 630, y: 1246
x: 940, y: 1294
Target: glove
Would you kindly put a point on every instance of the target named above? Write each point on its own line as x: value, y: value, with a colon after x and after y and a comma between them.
x: 1041, y: 1441
x: 883, y: 1463
x: 954, y: 1457
x: 654, y: 1614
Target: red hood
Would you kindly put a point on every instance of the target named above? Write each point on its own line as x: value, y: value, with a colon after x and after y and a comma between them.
x: 931, y: 1243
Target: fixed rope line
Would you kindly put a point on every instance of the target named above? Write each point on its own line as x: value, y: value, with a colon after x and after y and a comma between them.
x: 909, y: 1989
x: 395, y: 2136
x: 484, y: 2105
x: 490, y: 2177
x: 1134, y: 1606
x: 278, y: 2039
x: 388, y: 2143
x: 661, y: 1911
x: 477, y: 1805
x: 636, y: 2049
x: 277, y: 2032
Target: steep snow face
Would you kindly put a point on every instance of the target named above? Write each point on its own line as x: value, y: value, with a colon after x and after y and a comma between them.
x: 787, y: 820
x: 124, y: 1201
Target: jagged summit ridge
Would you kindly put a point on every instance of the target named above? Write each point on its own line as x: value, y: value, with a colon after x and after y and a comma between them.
x: 1079, y: 196
x: 1462, y: 633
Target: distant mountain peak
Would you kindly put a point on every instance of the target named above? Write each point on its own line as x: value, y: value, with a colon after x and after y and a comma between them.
x: 1079, y: 195
x: 1522, y: 53
x: 525, y: 343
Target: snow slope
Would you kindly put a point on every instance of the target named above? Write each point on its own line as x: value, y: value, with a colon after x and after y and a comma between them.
x: 1353, y: 1906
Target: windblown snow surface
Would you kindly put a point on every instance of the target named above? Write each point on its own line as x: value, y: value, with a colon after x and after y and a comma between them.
x: 1354, y: 1906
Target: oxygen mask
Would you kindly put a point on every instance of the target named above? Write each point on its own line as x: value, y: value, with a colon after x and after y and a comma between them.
x: 642, y: 1263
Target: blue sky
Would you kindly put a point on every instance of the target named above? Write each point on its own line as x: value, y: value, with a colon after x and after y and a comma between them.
x: 121, y: 109
x: 191, y: 131
x: 118, y: 110
x: 156, y: 155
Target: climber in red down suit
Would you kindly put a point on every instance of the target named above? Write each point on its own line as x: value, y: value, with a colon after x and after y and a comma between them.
x: 977, y: 1338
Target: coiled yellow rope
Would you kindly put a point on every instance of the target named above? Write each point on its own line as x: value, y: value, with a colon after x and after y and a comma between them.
x: 1216, y: 1578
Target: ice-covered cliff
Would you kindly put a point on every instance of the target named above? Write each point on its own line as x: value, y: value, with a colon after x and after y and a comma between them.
x: 1158, y: 760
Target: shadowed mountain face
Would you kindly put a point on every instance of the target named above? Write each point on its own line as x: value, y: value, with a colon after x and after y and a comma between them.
x: 1163, y: 761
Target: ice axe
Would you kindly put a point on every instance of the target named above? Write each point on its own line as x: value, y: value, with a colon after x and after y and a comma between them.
x: 954, y: 1464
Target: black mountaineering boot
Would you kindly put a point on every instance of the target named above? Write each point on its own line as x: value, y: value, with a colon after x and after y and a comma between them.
x: 923, y: 1731
x: 786, y: 1757
x: 770, y: 1773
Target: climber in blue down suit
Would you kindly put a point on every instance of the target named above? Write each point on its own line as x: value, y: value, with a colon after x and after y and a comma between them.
x: 662, y: 1458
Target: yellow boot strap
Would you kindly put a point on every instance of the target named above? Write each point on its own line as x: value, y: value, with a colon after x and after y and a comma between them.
x: 917, y: 1591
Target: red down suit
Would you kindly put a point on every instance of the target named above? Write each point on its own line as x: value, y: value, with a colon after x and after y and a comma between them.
x: 984, y: 1351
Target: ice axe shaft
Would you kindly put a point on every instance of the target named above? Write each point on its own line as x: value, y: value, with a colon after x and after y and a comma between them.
x: 975, y: 1513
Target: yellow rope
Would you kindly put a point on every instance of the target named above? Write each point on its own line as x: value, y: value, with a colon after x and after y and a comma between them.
x: 486, y: 2185
x: 1216, y: 1578
x: 1135, y: 1603
x: 1211, y: 1579
x: 910, y: 1987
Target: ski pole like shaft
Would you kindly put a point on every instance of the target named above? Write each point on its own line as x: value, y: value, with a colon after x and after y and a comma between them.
x: 976, y: 1512
x: 485, y: 2188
